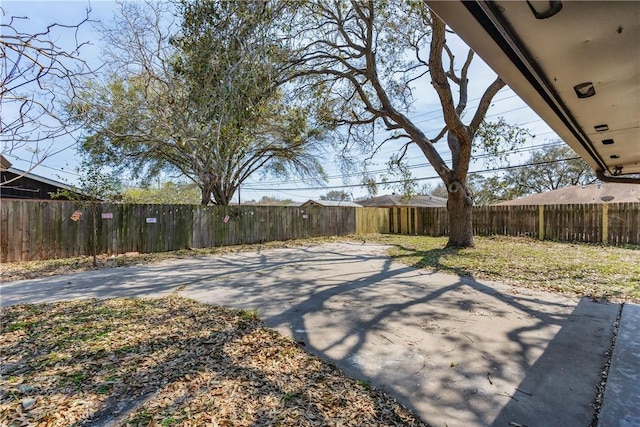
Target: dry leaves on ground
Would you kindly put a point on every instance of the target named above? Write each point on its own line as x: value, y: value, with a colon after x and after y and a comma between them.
x: 170, y: 361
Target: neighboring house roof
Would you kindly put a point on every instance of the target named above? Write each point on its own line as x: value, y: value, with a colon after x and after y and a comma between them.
x: 327, y: 203
x: 594, y: 193
x: 395, y: 200
x: 26, y: 185
x: 39, y: 178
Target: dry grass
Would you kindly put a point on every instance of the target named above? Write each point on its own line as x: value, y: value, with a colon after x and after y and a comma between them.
x: 600, y: 272
x: 170, y: 361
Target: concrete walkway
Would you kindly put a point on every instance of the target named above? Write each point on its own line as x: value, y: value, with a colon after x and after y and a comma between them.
x: 457, y: 351
x: 621, y: 404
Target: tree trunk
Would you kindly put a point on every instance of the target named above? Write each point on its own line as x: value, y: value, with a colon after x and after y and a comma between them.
x: 206, y: 195
x: 94, y: 236
x: 460, y: 208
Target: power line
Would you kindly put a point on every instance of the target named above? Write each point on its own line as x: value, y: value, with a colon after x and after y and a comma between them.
x: 439, y: 117
x: 401, y: 181
x: 435, y: 111
x: 513, y: 95
x: 248, y: 186
x: 42, y: 165
x: 480, y: 156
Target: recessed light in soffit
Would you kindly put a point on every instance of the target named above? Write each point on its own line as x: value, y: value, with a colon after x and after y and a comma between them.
x: 553, y: 7
x: 584, y: 90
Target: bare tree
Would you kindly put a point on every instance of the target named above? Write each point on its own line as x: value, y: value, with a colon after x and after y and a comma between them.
x: 37, y: 74
x: 368, y: 57
x: 94, y: 187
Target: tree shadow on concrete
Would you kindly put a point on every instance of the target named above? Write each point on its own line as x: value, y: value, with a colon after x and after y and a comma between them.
x: 560, y: 386
x: 451, y: 348
x: 431, y: 259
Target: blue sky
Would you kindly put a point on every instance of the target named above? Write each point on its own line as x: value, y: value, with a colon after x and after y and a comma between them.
x: 40, y: 14
x: 426, y: 110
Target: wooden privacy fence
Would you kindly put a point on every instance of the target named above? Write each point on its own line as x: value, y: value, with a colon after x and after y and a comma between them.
x: 615, y: 223
x: 33, y: 230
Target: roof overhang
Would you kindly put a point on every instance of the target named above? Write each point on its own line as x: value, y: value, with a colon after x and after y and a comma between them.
x: 28, y: 175
x: 575, y: 63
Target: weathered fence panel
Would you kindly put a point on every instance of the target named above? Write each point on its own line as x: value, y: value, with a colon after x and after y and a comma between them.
x: 623, y: 223
x: 34, y: 230
x: 433, y: 221
x: 573, y: 223
x: 616, y: 223
x: 31, y: 230
x: 506, y: 220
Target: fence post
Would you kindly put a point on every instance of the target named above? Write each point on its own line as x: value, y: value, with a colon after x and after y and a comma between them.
x: 605, y: 223
x: 541, y: 222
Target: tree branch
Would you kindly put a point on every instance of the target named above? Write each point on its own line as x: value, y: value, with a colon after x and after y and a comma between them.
x: 439, y: 79
x: 485, y: 103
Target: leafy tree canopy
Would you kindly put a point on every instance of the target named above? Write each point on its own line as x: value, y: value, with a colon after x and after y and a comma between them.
x: 336, y: 195
x: 553, y: 167
x: 170, y: 193
x: 270, y: 201
x: 199, y: 100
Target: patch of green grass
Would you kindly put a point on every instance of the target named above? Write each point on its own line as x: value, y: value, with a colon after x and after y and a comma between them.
x: 601, y: 272
x: 249, y: 315
x: 169, y: 421
x: 19, y: 326
x: 74, y: 380
x: 288, y: 396
x: 364, y: 384
x: 53, y: 358
x: 103, y: 389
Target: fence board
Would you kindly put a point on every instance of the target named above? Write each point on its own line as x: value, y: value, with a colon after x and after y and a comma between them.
x: 371, y: 220
x: 15, y: 234
x: 25, y: 234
